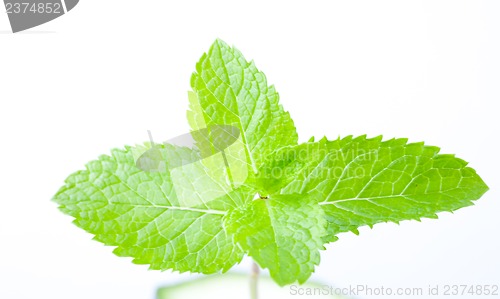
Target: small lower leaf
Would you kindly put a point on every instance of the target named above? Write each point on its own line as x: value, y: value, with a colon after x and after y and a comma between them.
x: 282, y: 233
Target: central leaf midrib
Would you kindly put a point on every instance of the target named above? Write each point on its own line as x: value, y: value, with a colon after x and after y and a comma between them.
x: 179, y: 208
x: 275, y: 236
x: 243, y: 132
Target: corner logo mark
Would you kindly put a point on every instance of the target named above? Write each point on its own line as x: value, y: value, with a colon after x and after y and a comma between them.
x: 26, y: 14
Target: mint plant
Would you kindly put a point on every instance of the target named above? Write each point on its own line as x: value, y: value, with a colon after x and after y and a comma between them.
x: 263, y: 194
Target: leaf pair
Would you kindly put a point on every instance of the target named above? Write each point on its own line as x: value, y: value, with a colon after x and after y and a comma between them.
x: 262, y: 194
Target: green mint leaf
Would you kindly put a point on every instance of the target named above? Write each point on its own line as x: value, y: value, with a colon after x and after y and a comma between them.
x: 282, y: 233
x: 232, y: 91
x: 193, y: 208
x: 142, y: 214
x: 361, y: 181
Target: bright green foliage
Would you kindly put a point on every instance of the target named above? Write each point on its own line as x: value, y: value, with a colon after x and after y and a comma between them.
x: 283, y: 234
x: 360, y: 181
x: 231, y: 91
x: 139, y: 212
x: 193, y: 209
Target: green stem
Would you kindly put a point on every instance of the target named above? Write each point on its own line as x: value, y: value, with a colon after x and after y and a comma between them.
x: 254, y: 277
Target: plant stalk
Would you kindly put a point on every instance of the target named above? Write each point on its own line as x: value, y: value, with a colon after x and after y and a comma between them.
x: 254, y: 278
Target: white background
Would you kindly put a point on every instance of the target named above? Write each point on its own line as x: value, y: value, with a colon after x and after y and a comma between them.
x: 108, y: 71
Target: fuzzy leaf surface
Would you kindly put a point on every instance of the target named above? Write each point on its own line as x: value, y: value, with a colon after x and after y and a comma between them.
x: 232, y: 91
x: 361, y: 181
x: 282, y: 233
x: 141, y: 214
